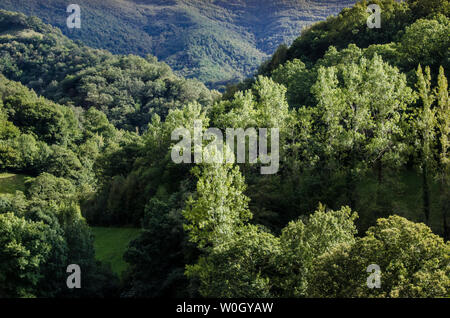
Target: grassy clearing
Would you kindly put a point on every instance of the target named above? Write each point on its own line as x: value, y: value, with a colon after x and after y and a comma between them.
x: 20, y: 33
x: 10, y: 183
x: 110, y: 244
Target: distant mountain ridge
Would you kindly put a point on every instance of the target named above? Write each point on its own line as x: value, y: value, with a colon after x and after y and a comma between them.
x: 215, y: 41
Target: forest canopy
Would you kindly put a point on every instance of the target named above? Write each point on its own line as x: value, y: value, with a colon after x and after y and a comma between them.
x: 364, y: 172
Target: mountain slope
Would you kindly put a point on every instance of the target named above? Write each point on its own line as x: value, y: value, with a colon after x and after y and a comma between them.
x: 214, y: 41
x: 128, y: 89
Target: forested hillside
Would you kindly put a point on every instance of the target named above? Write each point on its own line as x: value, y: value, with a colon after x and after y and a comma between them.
x: 42, y: 229
x: 213, y: 41
x: 363, y: 117
x: 128, y: 89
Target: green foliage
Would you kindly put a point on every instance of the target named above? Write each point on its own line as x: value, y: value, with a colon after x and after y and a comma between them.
x: 46, y: 231
x: 128, y: 89
x: 220, y: 206
x: 352, y: 132
x: 41, y: 238
x: 360, y: 107
x: 350, y: 26
x: 302, y: 243
x: 39, y: 135
x: 431, y: 137
x: 443, y: 124
x: 136, y: 168
x: 95, y: 123
x: 24, y: 247
x: 243, y: 266
x: 297, y: 79
x: 159, y: 254
x: 263, y: 106
x: 426, y: 42
x: 255, y: 263
x: 412, y: 32
x: 414, y: 262
x: 216, y: 42
x: 50, y: 188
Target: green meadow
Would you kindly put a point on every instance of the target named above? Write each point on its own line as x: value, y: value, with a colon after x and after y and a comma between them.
x: 110, y: 244
x: 10, y: 183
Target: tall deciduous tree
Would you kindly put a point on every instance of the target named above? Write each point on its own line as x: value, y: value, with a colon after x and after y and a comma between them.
x: 443, y: 121
x: 426, y: 122
x: 360, y: 107
x: 220, y: 206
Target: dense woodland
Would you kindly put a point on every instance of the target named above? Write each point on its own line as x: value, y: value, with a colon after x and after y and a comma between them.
x: 214, y: 41
x: 364, y: 178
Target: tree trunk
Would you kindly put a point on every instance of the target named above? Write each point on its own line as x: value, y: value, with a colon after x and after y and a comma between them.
x: 445, y: 206
x: 426, y: 194
x: 380, y: 172
x: 350, y: 185
x: 446, y: 227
